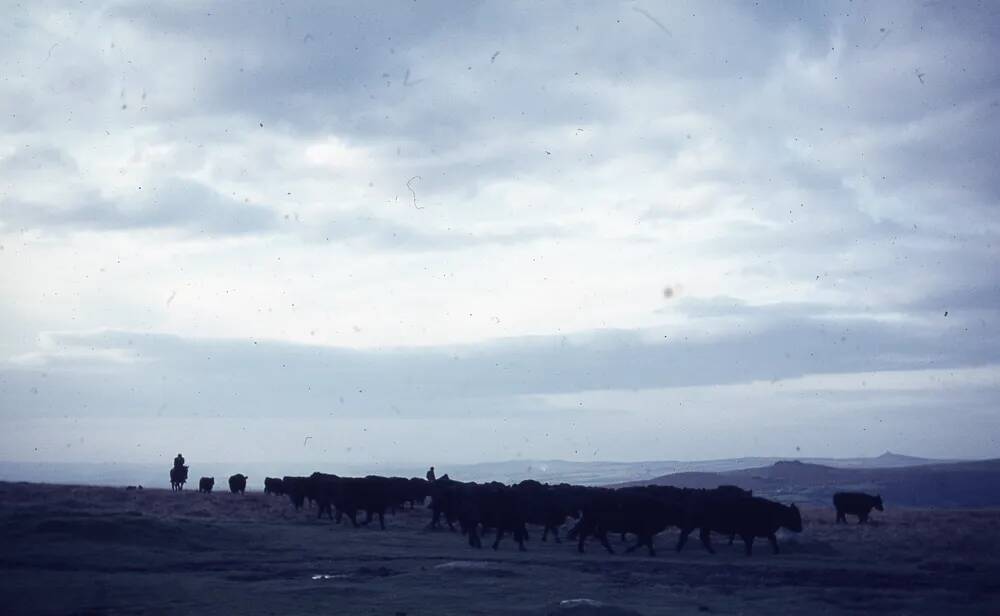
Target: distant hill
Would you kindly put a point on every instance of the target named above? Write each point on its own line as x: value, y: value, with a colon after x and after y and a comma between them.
x: 602, y: 473
x: 550, y: 471
x: 955, y: 484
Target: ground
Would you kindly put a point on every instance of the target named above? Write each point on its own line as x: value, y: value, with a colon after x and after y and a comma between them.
x: 97, y: 550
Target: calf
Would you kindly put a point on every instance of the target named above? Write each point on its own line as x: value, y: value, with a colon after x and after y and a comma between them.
x: 205, y: 484
x: 238, y: 483
x: 855, y: 503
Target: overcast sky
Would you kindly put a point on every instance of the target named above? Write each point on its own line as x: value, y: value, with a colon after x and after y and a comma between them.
x: 456, y: 232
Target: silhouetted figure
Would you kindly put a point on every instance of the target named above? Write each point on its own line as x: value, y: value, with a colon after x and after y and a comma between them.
x: 206, y: 484
x: 179, y: 461
x: 430, y: 474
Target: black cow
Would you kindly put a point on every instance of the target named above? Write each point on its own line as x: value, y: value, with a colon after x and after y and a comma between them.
x: 856, y: 503
x: 238, y: 483
x: 549, y: 506
x: 273, y: 485
x: 749, y: 518
x: 372, y: 494
x: 706, y: 510
x: 295, y: 488
x: 445, y: 495
x: 348, y: 495
x: 644, y: 511
x: 205, y: 484
x: 491, y: 505
x: 324, y: 490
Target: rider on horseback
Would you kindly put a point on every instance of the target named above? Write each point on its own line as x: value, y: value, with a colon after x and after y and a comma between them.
x: 178, y: 474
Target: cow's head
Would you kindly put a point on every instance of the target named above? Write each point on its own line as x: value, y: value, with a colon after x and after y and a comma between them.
x: 793, y: 519
x: 878, y: 503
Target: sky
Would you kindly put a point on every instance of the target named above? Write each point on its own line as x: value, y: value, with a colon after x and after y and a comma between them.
x: 418, y: 231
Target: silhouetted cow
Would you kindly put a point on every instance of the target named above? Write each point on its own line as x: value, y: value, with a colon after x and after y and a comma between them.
x: 372, y: 494
x: 699, y: 509
x: 238, y: 483
x: 644, y: 511
x: 295, y: 488
x: 549, y: 506
x: 273, y: 485
x: 445, y: 496
x: 749, y: 518
x: 491, y: 505
x: 855, y: 503
x: 324, y: 490
x: 205, y: 484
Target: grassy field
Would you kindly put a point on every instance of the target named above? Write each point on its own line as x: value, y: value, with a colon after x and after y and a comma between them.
x: 93, y: 550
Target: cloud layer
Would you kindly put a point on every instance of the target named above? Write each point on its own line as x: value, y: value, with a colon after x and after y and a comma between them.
x: 245, y: 211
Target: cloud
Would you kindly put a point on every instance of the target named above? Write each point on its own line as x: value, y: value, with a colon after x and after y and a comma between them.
x: 43, y: 158
x: 262, y: 378
x: 815, y: 185
x: 175, y: 203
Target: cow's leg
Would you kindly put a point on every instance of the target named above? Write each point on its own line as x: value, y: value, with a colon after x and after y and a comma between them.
x: 774, y: 542
x: 748, y: 542
x: 555, y: 533
x: 603, y: 535
x: 520, y: 537
x: 732, y: 538
x: 706, y: 539
x: 624, y: 538
x: 381, y: 520
x: 545, y: 533
x: 499, y: 535
x: 649, y: 544
x: 863, y: 517
x: 682, y: 538
x: 841, y: 518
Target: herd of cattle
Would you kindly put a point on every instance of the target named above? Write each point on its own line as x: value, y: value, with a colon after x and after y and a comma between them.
x: 478, y: 508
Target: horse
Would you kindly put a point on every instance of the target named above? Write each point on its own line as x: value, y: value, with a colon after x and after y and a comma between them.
x: 178, y: 475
